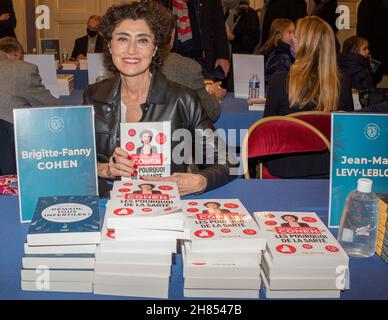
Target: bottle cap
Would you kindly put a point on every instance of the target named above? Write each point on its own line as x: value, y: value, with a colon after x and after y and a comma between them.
x: 364, y: 185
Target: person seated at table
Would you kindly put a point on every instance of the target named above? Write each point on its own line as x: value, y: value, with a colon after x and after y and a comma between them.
x: 20, y: 84
x: 188, y: 72
x: 13, y: 49
x: 314, y: 81
x: 136, y: 33
x: 90, y: 43
x: 355, y: 61
x: 278, y: 50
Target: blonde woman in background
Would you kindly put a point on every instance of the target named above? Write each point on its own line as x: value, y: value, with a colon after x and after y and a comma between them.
x: 314, y: 81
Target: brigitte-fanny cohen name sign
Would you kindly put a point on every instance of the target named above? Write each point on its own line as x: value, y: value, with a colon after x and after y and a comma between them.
x: 56, y: 156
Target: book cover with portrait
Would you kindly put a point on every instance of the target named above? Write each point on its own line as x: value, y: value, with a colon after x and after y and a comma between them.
x: 136, y: 200
x: 149, y: 145
x: 221, y: 224
x: 299, y: 239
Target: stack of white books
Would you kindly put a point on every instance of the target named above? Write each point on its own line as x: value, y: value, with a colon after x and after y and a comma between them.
x: 143, y: 221
x: 223, y: 257
x: 303, y: 259
x: 83, y: 64
x: 59, y: 254
x: 65, y: 84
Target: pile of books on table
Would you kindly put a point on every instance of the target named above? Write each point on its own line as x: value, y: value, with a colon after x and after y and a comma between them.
x: 382, y: 233
x: 223, y: 256
x: 59, y: 254
x: 139, y: 239
x: 303, y: 259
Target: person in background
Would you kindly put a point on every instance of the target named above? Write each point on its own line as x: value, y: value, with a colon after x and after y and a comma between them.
x: 245, y: 34
x: 136, y: 33
x: 280, y: 9
x: 355, y: 61
x: 21, y: 85
x: 372, y: 24
x: 7, y: 19
x: 13, y: 49
x: 188, y: 72
x: 91, y: 43
x: 314, y: 83
x: 326, y: 10
x: 279, y: 49
x: 201, y: 35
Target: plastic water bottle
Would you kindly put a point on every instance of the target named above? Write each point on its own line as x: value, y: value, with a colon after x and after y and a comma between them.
x: 65, y: 56
x: 358, y: 229
x: 254, y: 87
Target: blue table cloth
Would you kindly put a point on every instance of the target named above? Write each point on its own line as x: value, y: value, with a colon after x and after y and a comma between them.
x: 368, y: 277
x: 236, y: 115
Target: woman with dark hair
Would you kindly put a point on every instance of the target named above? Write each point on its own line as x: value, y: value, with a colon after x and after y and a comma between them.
x: 135, y: 34
x: 292, y: 222
x: 147, y: 188
x: 146, y: 138
x: 214, y: 207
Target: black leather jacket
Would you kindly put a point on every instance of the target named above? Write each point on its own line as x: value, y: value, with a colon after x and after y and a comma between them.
x: 166, y: 101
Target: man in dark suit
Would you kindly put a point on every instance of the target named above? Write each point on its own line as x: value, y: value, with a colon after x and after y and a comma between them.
x: 7, y: 19
x: 91, y: 43
x: 201, y: 35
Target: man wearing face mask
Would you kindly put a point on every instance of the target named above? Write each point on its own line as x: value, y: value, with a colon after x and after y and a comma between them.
x: 91, y: 43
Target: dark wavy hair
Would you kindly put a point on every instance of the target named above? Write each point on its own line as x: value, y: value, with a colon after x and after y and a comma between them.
x: 289, y: 215
x: 147, y: 184
x: 158, y: 18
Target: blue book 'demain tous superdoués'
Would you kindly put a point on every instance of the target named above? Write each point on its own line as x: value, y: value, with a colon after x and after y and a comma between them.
x: 65, y: 220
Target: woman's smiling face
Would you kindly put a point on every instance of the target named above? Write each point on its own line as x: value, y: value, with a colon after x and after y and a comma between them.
x: 132, y: 47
